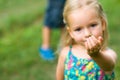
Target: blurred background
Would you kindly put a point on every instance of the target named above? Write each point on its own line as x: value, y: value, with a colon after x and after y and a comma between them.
x: 21, y: 22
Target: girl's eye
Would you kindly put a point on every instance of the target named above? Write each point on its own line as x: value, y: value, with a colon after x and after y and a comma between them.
x: 78, y: 29
x: 93, y: 25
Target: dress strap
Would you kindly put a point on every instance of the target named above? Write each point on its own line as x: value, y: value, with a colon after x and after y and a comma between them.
x: 70, y: 50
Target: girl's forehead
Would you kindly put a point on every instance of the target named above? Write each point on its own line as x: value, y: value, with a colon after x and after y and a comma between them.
x: 85, y: 11
x: 83, y: 16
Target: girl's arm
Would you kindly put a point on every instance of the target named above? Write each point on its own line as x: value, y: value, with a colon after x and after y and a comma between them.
x: 106, y: 60
x: 60, y: 69
x: 60, y: 65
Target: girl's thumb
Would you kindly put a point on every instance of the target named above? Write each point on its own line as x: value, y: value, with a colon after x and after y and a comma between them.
x: 100, y: 39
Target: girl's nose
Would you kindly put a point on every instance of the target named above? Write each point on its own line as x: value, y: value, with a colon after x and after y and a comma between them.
x: 87, y: 32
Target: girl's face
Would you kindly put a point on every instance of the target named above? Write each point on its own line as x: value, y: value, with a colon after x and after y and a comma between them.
x: 83, y: 23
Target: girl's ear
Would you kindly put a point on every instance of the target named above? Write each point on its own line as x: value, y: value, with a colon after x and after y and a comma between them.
x: 104, y: 24
x: 69, y: 31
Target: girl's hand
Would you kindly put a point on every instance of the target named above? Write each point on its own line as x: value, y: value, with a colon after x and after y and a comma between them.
x: 93, y: 45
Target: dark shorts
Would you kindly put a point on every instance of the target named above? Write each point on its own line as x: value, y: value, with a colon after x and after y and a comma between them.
x: 54, y: 14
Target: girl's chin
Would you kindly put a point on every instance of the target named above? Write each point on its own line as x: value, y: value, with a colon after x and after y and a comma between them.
x: 82, y: 44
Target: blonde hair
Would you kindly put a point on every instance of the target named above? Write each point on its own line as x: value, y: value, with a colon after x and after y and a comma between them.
x: 72, y: 5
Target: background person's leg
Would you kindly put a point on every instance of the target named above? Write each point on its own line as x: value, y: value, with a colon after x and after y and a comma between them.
x: 45, y: 52
x: 46, y: 33
x: 53, y: 19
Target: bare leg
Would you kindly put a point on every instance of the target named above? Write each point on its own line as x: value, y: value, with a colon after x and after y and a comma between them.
x: 46, y: 33
x: 45, y: 51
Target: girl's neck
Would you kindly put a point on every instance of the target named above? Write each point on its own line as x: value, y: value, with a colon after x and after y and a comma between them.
x: 78, y: 46
x: 79, y: 51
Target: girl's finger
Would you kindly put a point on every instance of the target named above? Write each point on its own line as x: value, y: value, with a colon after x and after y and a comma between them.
x: 100, y: 40
x: 95, y: 39
x: 92, y: 42
x: 89, y: 44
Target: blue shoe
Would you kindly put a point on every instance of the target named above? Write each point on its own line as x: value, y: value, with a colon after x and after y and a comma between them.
x: 47, y: 54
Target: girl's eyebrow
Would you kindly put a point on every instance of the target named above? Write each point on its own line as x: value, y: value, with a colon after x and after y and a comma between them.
x: 90, y: 22
x: 77, y: 26
x: 80, y: 26
x: 93, y: 22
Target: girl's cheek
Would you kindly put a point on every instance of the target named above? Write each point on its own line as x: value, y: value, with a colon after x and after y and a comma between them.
x: 97, y: 33
x: 79, y: 38
x: 77, y: 34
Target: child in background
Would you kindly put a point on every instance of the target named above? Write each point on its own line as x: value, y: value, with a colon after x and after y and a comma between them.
x: 84, y: 52
x: 53, y: 19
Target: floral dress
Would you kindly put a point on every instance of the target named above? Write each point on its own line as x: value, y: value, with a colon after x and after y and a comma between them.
x: 83, y: 69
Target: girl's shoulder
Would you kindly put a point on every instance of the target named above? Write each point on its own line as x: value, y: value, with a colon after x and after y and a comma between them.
x: 64, y: 52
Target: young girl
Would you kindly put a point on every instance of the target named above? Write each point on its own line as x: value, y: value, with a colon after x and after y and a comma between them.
x: 84, y: 54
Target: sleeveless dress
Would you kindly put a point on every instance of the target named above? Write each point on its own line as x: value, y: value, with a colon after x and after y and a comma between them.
x: 83, y: 69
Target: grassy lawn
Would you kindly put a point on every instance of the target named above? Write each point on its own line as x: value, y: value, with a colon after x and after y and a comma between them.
x: 20, y: 37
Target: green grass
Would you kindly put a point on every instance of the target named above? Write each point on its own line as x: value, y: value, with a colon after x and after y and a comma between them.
x: 20, y: 38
